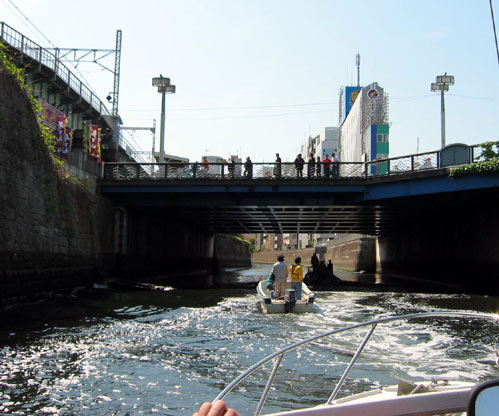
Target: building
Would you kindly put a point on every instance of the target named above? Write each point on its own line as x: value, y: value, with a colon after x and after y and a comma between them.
x: 295, y: 241
x: 327, y: 142
x: 364, y: 132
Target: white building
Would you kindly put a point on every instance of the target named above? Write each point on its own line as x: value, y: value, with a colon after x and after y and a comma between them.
x: 327, y: 142
x: 364, y: 130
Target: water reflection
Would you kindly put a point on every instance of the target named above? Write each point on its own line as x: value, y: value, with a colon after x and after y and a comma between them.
x: 165, y: 352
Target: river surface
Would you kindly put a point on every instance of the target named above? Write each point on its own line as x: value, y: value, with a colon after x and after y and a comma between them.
x: 165, y: 352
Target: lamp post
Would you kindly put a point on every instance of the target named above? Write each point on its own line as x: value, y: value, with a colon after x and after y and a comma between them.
x: 164, y: 87
x: 442, y: 84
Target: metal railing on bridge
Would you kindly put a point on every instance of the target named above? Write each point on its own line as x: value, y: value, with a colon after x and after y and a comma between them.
x: 26, y: 46
x: 271, y: 170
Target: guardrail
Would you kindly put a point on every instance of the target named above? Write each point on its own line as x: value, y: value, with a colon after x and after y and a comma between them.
x: 271, y: 170
x: 18, y: 41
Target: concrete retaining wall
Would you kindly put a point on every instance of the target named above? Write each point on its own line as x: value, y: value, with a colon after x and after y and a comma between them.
x: 356, y: 255
x: 231, y: 252
x: 270, y: 257
x: 48, y: 225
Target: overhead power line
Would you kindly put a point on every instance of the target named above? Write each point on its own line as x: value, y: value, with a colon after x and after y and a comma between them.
x: 494, y: 28
x: 31, y: 23
x: 254, y: 107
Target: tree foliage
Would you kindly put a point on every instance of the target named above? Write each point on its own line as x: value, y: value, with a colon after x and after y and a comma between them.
x: 487, y: 162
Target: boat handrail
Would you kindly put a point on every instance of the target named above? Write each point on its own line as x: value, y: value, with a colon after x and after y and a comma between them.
x: 279, y: 355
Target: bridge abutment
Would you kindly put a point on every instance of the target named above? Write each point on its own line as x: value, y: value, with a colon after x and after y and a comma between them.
x: 458, y: 248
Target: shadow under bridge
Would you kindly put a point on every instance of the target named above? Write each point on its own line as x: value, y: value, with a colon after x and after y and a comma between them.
x: 257, y: 206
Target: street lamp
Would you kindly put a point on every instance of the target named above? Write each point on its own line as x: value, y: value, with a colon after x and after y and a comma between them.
x: 164, y: 87
x: 442, y: 84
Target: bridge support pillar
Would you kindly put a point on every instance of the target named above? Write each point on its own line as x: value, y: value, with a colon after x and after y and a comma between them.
x: 458, y: 248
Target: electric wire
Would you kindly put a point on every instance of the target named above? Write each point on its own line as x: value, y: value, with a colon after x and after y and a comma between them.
x: 494, y: 28
x: 31, y: 23
x: 87, y: 84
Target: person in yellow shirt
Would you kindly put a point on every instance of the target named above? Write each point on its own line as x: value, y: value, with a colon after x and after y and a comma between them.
x: 296, y: 273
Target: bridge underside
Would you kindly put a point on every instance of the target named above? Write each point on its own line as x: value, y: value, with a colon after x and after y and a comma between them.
x: 286, y: 219
x: 346, y: 207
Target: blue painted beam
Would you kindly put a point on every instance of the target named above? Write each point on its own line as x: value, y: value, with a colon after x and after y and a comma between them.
x: 432, y: 185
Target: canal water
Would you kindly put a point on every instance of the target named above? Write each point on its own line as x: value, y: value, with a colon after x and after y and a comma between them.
x: 165, y: 352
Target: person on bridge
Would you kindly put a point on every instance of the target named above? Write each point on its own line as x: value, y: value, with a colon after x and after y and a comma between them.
x: 299, y: 162
x: 318, y: 167
x: 280, y: 271
x: 206, y: 167
x: 326, y: 162
x: 336, y: 165
x: 277, y: 166
x: 248, y: 168
x: 296, y: 273
x: 232, y: 168
x: 311, y: 166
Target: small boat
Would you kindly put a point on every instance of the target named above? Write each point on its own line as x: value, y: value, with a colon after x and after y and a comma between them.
x: 407, y: 398
x: 268, y: 304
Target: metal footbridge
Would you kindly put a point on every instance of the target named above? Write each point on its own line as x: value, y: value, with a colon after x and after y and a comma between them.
x: 373, y: 198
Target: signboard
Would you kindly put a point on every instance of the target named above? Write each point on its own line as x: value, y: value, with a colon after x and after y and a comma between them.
x: 351, y: 94
x: 373, y: 94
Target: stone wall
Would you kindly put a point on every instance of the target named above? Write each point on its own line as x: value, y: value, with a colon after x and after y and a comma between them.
x: 48, y: 225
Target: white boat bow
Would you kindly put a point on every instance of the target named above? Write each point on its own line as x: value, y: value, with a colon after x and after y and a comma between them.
x: 437, y: 397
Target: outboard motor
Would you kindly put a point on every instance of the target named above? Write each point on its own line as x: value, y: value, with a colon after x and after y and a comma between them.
x: 290, y: 299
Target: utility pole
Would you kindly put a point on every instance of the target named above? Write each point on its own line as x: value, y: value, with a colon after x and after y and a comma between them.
x: 116, y: 88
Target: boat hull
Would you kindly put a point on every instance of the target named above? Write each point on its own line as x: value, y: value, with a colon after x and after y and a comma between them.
x: 269, y: 305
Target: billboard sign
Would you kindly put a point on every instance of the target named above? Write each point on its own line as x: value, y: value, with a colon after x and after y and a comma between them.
x: 351, y: 94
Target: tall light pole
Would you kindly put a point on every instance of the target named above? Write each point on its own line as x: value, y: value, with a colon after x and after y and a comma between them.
x: 164, y: 87
x: 442, y: 84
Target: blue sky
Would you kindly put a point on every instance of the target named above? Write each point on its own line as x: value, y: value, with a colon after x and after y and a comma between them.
x: 256, y: 77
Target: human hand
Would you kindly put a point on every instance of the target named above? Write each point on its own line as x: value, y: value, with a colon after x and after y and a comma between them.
x: 218, y: 409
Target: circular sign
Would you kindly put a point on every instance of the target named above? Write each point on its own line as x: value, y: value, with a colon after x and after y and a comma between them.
x: 372, y: 94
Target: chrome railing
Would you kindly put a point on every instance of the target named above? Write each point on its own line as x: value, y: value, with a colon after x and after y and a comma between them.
x: 279, y: 355
x: 27, y: 47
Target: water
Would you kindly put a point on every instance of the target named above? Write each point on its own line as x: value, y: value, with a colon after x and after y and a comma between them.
x: 132, y: 353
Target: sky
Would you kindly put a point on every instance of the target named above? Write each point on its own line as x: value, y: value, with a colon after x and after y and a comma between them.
x: 256, y: 77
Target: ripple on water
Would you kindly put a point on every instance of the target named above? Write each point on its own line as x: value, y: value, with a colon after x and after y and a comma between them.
x: 153, y: 357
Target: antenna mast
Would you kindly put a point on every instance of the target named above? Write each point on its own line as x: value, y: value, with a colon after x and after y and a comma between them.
x: 357, y: 62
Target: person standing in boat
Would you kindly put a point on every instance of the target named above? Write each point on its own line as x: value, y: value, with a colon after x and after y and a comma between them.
x: 280, y: 271
x: 296, y: 273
